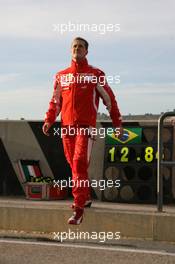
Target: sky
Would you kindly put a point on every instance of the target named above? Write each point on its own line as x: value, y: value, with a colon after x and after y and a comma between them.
x: 139, y: 49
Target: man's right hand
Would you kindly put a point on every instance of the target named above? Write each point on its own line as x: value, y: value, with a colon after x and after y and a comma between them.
x: 173, y: 121
x: 46, y: 128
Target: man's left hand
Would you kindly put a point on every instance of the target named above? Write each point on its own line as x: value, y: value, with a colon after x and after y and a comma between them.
x: 118, y: 132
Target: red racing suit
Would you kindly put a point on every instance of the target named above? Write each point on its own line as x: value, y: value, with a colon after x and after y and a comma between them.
x: 76, y: 95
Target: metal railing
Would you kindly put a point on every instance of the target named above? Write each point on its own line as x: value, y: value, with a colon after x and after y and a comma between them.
x: 160, y: 161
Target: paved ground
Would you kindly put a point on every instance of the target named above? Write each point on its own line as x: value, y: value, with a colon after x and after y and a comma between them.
x: 17, y: 251
x: 19, y: 247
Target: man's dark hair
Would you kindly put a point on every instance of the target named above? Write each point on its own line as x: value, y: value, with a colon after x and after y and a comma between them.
x: 85, y: 41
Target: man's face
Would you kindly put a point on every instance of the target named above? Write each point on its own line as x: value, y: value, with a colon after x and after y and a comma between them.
x: 78, y: 50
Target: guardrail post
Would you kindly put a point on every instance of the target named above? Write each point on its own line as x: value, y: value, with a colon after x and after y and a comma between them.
x: 160, y: 162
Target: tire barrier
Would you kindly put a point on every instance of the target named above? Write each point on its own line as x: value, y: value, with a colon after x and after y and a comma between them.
x: 135, y: 165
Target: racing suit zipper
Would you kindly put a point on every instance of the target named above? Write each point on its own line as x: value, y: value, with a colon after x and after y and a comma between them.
x: 73, y: 102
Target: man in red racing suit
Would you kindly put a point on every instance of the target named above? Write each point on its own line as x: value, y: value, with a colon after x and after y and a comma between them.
x: 76, y: 95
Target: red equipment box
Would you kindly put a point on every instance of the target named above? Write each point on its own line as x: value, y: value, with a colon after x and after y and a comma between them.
x: 44, y: 191
x: 35, y: 185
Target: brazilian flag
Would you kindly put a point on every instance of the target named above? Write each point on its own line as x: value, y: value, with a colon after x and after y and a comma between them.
x: 131, y: 135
